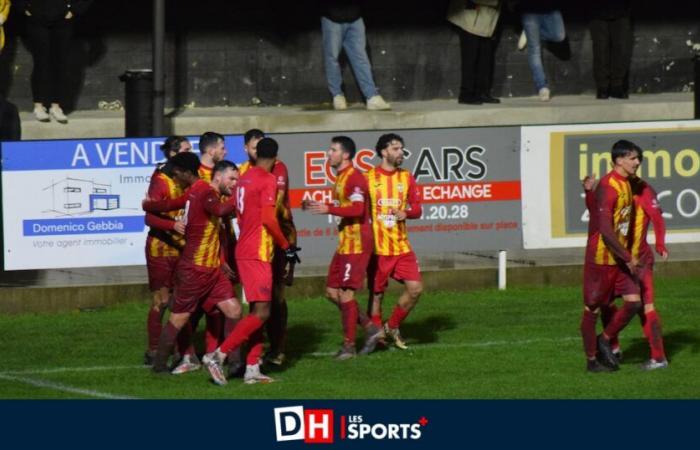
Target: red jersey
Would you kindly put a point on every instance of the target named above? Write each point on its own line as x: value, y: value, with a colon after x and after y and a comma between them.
x: 608, y: 228
x: 646, y: 210
x: 389, y: 191
x: 255, y: 190
x: 351, y: 203
x: 162, y: 240
x: 203, y: 209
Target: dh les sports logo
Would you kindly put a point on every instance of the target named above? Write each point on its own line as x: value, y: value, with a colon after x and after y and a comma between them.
x: 316, y: 426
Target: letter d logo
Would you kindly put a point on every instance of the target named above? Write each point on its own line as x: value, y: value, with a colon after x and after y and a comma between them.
x: 289, y: 423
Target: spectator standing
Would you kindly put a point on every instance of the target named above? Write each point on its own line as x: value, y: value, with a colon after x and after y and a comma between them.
x: 611, y: 32
x: 343, y: 28
x: 542, y: 21
x: 49, y: 31
x: 10, y: 128
x: 476, y: 21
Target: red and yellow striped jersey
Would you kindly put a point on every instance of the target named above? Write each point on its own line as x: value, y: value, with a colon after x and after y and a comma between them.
x: 646, y: 210
x: 390, y: 192
x: 205, y: 172
x: 354, y: 233
x: 255, y: 191
x: 161, y: 242
x: 243, y: 168
x: 202, y: 228
x: 609, y: 226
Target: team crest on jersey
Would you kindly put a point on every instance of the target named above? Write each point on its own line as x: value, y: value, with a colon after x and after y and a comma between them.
x: 399, y: 187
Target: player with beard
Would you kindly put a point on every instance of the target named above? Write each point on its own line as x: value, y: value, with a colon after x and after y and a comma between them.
x: 348, y: 267
x: 256, y: 194
x: 199, y: 280
x: 394, y: 197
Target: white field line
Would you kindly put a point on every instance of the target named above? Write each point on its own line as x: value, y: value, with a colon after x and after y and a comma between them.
x: 63, y: 387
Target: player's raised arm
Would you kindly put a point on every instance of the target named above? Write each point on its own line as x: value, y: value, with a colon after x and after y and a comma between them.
x: 158, y: 206
x: 214, y: 206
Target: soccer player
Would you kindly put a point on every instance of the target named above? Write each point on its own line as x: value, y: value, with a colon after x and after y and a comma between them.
x: 646, y: 210
x: 608, y: 264
x: 256, y: 194
x: 199, y: 280
x: 282, y: 270
x: 164, y: 241
x: 394, y: 198
x: 348, y: 267
x: 213, y: 149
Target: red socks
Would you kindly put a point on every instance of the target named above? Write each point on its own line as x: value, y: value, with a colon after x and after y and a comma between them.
x: 166, y: 342
x: 397, y: 317
x: 214, y: 332
x: 348, y: 314
x: 588, y: 322
x: 241, y: 333
x: 652, y: 330
x: 377, y: 319
x: 153, y: 327
x: 606, y: 314
x: 621, y: 318
x: 255, y: 344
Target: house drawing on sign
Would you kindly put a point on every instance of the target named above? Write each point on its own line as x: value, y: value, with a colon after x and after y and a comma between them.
x: 74, y: 196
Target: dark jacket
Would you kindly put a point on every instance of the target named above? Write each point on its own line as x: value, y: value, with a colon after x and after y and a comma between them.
x: 51, y: 9
x: 341, y: 11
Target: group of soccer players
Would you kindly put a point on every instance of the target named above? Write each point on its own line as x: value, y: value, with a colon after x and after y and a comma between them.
x: 619, y: 262
x: 213, y: 224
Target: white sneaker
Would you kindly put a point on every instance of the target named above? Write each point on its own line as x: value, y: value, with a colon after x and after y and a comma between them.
x: 377, y: 103
x: 57, y: 113
x: 522, y: 41
x: 253, y: 375
x: 339, y: 103
x: 654, y: 364
x: 189, y: 363
x: 41, y: 114
x: 544, y: 94
x: 213, y: 361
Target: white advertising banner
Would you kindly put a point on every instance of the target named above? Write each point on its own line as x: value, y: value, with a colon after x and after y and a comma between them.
x: 554, y: 160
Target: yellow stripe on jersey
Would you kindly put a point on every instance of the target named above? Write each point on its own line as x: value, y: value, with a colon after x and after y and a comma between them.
x: 265, y: 251
x: 349, y: 238
x: 637, y: 229
x: 243, y: 168
x: 158, y: 247
x: 207, y: 255
x: 388, y: 192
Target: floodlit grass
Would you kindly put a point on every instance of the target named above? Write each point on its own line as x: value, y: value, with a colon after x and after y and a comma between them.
x: 522, y: 343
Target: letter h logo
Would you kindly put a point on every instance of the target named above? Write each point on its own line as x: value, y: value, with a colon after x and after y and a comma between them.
x: 314, y: 426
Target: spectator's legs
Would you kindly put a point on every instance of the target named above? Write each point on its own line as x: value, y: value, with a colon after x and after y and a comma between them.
x: 484, y: 66
x: 332, y: 44
x: 552, y: 27
x: 469, y: 46
x: 531, y: 26
x: 601, y: 54
x: 355, y: 45
x: 61, y: 33
x: 621, y: 52
x: 40, y: 43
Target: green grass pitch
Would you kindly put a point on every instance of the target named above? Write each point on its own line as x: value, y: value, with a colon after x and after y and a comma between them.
x: 517, y: 344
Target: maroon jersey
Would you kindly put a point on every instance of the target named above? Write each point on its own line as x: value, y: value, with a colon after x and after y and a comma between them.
x: 255, y: 190
x: 646, y: 210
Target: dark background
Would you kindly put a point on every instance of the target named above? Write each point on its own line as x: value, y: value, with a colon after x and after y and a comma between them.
x: 225, y: 53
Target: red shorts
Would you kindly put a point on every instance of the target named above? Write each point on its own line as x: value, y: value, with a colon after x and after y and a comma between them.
x: 256, y: 279
x: 401, y: 268
x: 161, y: 271
x: 196, y: 285
x: 348, y: 271
x: 601, y: 283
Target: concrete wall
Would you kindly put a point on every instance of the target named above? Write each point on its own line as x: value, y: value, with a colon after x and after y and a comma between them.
x: 227, y: 53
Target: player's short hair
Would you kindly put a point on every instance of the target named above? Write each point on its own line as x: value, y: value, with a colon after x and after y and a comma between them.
x: 346, y: 144
x: 252, y: 134
x: 223, y: 166
x: 622, y: 148
x: 385, y: 140
x: 172, y: 144
x: 186, y: 161
x: 267, y: 148
x: 209, y: 139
